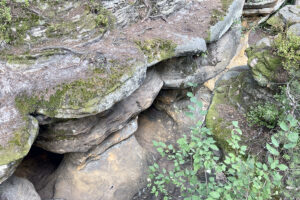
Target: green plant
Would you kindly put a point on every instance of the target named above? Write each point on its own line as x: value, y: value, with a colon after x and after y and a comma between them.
x: 264, y: 114
x: 5, y: 18
x: 199, y: 173
x: 286, y: 46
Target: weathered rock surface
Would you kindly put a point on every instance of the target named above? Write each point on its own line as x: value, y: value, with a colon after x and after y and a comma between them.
x: 265, y: 66
x: 261, y: 7
x: 80, y: 135
x: 115, y: 173
x: 167, y: 121
x: 236, y: 91
x: 259, y: 3
x: 74, y: 59
x: 178, y: 72
x: 289, y: 14
x: 16, y: 145
x: 16, y: 188
x: 295, y: 29
x: 37, y: 166
x: 233, y: 10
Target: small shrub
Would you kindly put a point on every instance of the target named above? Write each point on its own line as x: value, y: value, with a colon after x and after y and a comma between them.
x: 287, y: 46
x: 264, y: 114
x: 200, y: 174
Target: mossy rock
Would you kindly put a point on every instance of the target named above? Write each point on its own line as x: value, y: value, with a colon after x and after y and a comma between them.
x: 265, y: 66
x: 222, y: 19
x: 235, y: 92
x: 17, y: 146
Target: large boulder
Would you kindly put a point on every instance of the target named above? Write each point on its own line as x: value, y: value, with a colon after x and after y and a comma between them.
x: 265, y: 66
x: 16, y: 188
x: 116, y: 169
x: 80, y: 135
x: 74, y: 59
x: 15, y: 145
x: 235, y: 92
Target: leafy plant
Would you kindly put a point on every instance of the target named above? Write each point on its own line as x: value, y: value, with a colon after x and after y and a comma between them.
x: 198, y: 173
x: 264, y: 114
x: 286, y: 46
x: 5, y: 17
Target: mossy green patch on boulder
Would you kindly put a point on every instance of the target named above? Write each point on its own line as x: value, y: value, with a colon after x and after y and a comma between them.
x: 157, y: 49
x: 19, y: 145
x: 234, y: 94
x: 40, y: 20
x: 264, y: 65
x: 78, y: 94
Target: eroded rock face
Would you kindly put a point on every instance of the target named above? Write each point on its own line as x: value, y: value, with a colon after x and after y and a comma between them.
x: 114, y: 173
x: 16, y: 146
x: 18, y: 188
x: 178, y: 72
x: 261, y: 7
x: 74, y: 59
x: 288, y: 15
x: 167, y: 121
x: 80, y: 135
x: 265, y: 66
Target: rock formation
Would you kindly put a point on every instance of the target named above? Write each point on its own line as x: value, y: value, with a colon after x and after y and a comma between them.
x: 96, y: 82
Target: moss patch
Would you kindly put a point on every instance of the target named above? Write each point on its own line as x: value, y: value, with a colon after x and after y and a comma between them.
x: 18, y: 145
x: 157, y: 49
x: 267, y: 65
x: 227, y: 99
x: 52, y: 20
x: 75, y: 95
x: 219, y: 15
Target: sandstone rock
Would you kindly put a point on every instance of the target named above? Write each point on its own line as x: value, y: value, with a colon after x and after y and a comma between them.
x: 236, y: 91
x: 117, y: 173
x: 16, y: 188
x: 15, y: 146
x: 266, y: 67
x: 233, y: 10
x: 262, y: 8
x: 295, y: 29
x: 178, y: 72
x: 259, y: 4
x: 290, y: 14
x: 82, y: 159
x: 74, y: 59
x: 37, y: 166
x: 80, y: 135
x: 167, y: 120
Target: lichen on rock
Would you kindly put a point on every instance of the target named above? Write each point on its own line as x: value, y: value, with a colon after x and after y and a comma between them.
x: 157, y: 49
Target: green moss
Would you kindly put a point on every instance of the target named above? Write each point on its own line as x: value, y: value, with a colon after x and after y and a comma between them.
x: 227, y: 94
x: 219, y: 15
x: 27, y: 58
x: 74, y: 95
x: 104, y: 19
x: 267, y: 65
x: 157, y: 49
x: 216, y: 16
x: 276, y: 23
x: 226, y: 4
x: 15, y: 27
x: 16, y: 20
x: 18, y: 146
